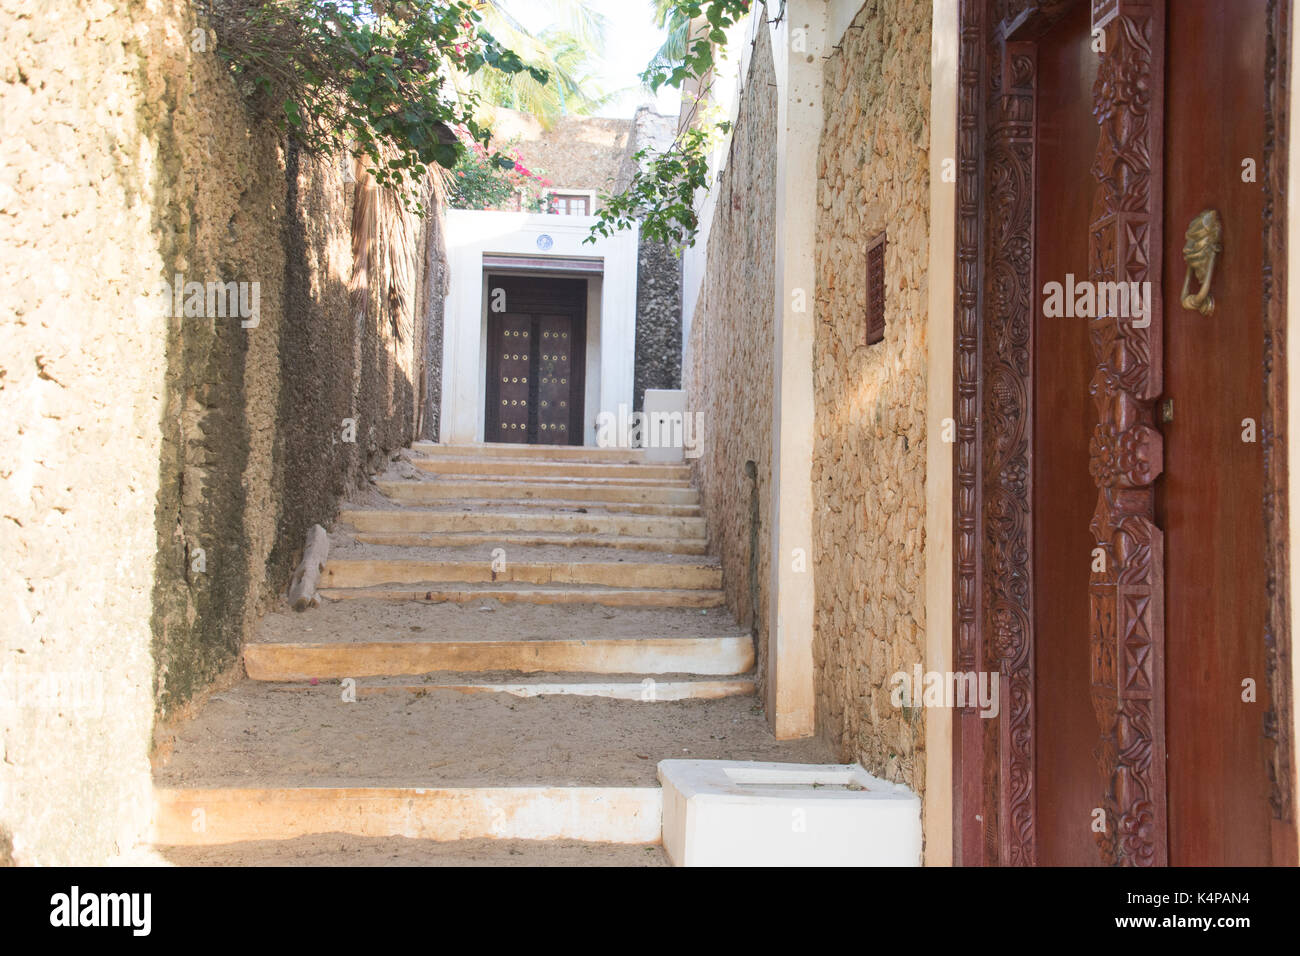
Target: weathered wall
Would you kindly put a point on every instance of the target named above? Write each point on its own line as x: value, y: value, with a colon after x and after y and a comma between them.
x: 133, y: 439
x: 658, y: 362
x: 82, y: 363
x: 578, y: 152
x: 729, y: 376
x: 869, y: 455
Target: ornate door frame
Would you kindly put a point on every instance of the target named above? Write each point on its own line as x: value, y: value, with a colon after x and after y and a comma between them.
x: 994, y: 799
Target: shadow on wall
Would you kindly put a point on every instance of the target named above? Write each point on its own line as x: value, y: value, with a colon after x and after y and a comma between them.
x: 269, y: 423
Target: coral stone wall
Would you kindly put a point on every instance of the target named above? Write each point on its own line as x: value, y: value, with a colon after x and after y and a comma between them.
x: 578, y: 152
x: 158, y: 472
x: 658, y: 361
x: 729, y: 368
x: 869, y: 453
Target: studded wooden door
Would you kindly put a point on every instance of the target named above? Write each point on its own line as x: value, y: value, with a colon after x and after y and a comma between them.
x: 511, y: 342
x: 555, y: 379
x: 536, y: 358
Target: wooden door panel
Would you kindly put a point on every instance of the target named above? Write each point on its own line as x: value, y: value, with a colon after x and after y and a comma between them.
x: 510, y: 369
x: 1177, y: 613
x: 1209, y: 500
x: 555, y: 378
x: 1068, y: 780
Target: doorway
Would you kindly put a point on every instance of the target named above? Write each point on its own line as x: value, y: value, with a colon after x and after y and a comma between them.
x: 536, y: 359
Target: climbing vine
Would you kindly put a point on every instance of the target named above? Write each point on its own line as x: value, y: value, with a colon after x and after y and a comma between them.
x: 661, y: 195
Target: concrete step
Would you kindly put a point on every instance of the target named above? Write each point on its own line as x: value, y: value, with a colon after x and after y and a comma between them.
x: 646, y: 690
x: 713, y: 656
x: 513, y: 594
x: 577, y: 453
x: 561, y: 478
x: 581, y: 489
x: 360, y: 622
x: 603, y: 814
x: 506, y: 505
x: 364, y: 573
x: 258, y: 763
x: 480, y: 466
x: 341, y: 849
x: 696, y: 546
x: 410, y: 520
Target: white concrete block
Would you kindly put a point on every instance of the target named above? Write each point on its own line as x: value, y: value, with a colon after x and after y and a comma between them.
x: 664, y: 432
x: 739, y: 813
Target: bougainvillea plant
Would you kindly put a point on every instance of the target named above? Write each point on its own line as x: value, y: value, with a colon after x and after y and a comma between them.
x: 476, y: 182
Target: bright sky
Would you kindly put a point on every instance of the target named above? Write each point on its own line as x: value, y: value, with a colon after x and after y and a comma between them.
x: 631, y: 39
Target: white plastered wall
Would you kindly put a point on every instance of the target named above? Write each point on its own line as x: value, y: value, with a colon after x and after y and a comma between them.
x: 611, y: 311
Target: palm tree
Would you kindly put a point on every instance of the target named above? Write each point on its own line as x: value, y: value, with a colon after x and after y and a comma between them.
x: 564, y: 52
x: 668, y: 16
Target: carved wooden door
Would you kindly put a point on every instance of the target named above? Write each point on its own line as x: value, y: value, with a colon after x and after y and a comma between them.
x: 1149, y: 592
x: 1064, y: 493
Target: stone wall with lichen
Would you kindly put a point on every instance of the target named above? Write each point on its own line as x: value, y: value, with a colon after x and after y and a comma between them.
x: 658, y: 361
x: 869, y: 453
x: 729, y: 375
x: 158, y: 471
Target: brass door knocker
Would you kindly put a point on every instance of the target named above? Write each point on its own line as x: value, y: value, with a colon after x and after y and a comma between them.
x: 1203, y: 245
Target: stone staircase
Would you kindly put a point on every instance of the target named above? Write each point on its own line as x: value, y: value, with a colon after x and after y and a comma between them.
x: 510, y: 638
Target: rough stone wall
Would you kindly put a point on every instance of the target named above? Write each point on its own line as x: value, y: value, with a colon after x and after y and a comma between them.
x: 578, y: 152
x: 658, y: 362
x: 869, y: 453
x: 729, y: 375
x: 82, y: 363
x: 130, y: 439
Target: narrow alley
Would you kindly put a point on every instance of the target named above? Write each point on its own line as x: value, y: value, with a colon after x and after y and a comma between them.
x: 509, y: 640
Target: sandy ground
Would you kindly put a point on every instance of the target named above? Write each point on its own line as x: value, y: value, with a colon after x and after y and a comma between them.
x: 485, y: 620
x: 339, y: 849
x: 255, y: 736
